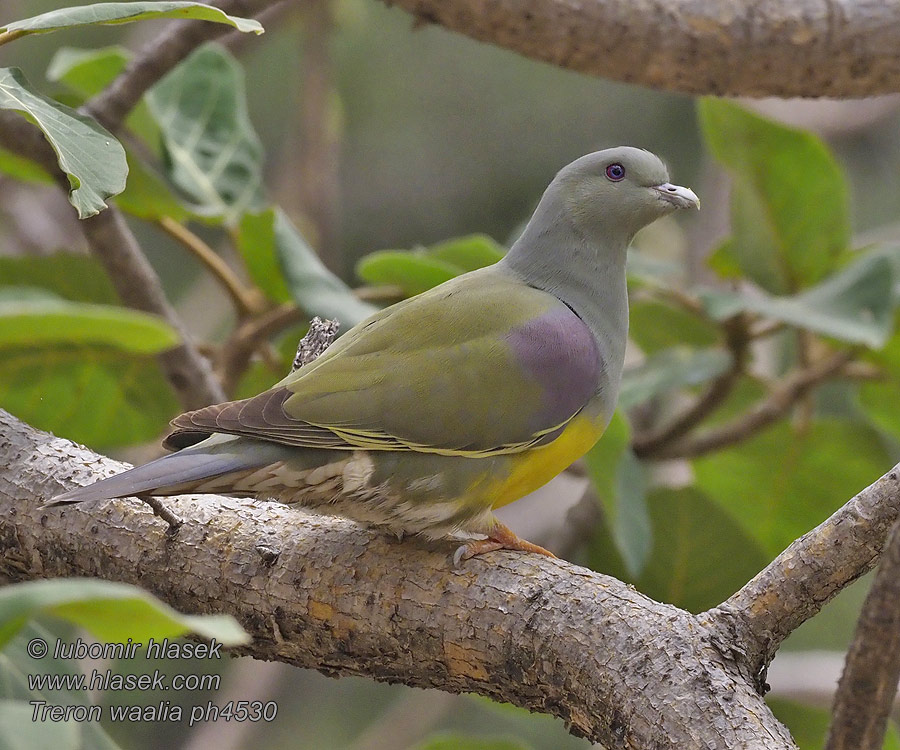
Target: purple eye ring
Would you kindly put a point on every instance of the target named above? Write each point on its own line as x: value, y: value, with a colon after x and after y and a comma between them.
x: 615, y: 172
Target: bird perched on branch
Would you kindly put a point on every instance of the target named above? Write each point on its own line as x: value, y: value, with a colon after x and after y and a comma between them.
x: 432, y: 412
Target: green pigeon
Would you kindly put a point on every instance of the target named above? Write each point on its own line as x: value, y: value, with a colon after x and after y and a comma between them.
x: 431, y: 413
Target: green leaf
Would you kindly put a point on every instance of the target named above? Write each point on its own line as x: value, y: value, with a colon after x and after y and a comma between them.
x: 113, y: 612
x: 621, y: 486
x: 454, y: 741
x: 16, y: 665
x: 468, y: 253
x: 94, y: 395
x: 148, y: 197
x: 20, y: 168
x: 790, y: 215
x: 782, y: 482
x: 91, y: 157
x: 655, y: 326
x: 669, y: 369
x: 116, y: 13
x: 854, y: 305
x: 86, y: 72
x: 212, y: 152
x: 19, y: 732
x: 76, y: 277
x: 314, y: 287
x: 700, y: 555
x: 257, y: 246
x: 647, y: 269
x: 418, y: 270
x: 33, y: 322
x: 414, y: 272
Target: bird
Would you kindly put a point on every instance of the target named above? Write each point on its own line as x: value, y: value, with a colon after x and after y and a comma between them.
x: 431, y: 413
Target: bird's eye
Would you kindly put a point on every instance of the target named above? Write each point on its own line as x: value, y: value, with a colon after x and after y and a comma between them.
x: 615, y: 172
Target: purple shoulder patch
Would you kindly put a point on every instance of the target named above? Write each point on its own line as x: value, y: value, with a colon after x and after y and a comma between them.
x: 559, y: 352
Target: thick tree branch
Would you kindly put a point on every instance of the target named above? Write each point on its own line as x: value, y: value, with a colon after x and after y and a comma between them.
x: 803, y: 578
x: 324, y: 593
x: 810, y: 48
x: 865, y: 694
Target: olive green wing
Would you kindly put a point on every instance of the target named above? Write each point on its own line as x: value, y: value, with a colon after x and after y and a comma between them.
x: 480, y: 365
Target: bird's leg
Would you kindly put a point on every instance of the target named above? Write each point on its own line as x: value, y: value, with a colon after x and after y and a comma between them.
x: 499, y: 537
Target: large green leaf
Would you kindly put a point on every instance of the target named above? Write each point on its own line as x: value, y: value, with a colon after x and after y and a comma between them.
x: 148, y: 197
x: 91, y: 157
x: 655, y: 326
x: 257, y: 245
x: 782, y: 482
x: 313, y: 287
x: 20, y: 168
x: 414, y: 272
x: 39, y: 322
x: 95, y: 395
x: 18, y: 730
x: 669, y: 369
x: 112, y: 611
x: 115, y: 13
x: 212, y: 152
x: 853, y: 305
x: 789, y: 198
x: 15, y: 668
x: 86, y: 72
x: 76, y: 277
x: 621, y: 485
x: 468, y: 253
x: 700, y: 555
x: 418, y: 270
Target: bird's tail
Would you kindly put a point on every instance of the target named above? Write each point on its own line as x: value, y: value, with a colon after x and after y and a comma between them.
x: 180, y: 472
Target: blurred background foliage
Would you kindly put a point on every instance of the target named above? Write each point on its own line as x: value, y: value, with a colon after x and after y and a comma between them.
x: 346, y: 160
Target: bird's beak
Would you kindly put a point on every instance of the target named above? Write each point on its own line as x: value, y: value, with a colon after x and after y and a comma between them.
x: 680, y: 197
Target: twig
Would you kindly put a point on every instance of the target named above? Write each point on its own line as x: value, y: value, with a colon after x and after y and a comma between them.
x: 766, y: 412
x: 248, y: 300
x: 766, y: 328
x: 238, y: 349
x: 866, y: 691
x: 737, y: 340
x: 9, y: 36
x: 803, y: 578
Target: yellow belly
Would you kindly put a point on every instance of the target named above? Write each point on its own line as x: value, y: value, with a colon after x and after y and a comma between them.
x: 534, y: 468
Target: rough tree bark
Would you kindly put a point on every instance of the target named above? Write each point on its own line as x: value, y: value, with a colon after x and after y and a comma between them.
x: 771, y: 48
x: 618, y: 667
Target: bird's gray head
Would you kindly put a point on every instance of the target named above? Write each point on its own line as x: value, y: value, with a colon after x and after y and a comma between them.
x: 618, y: 190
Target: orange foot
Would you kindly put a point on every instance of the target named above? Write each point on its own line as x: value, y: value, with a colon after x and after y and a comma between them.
x: 500, y: 537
